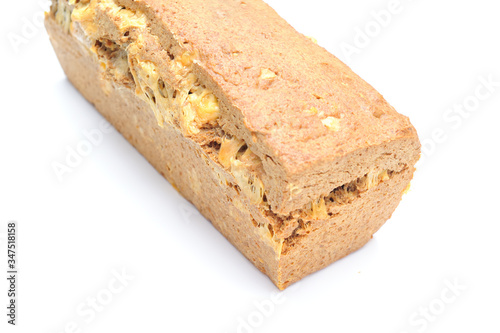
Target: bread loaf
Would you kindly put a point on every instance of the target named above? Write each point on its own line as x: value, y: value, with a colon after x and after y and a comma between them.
x: 294, y: 158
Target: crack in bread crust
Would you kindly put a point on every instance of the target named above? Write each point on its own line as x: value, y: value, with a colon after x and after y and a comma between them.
x: 323, y: 208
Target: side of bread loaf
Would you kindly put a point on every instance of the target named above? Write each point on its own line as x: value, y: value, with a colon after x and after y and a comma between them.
x: 295, y: 170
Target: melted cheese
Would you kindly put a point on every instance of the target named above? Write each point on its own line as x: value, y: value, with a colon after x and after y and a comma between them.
x: 228, y: 150
x: 242, y: 166
x: 191, y: 106
x: 62, y: 12
x: 318, y: 209
x: 249, y: 183
x: 373, y: 178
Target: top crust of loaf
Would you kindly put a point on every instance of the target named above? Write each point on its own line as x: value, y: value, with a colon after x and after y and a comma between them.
x: 237, y: 40
x: 313, y: 122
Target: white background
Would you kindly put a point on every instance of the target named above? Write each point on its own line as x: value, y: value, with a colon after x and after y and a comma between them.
x: 114, y: 212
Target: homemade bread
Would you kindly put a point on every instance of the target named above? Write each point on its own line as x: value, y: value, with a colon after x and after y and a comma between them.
x: 294, y: 158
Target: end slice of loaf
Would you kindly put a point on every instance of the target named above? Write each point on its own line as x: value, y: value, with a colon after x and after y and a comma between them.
x: 292, y: 157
